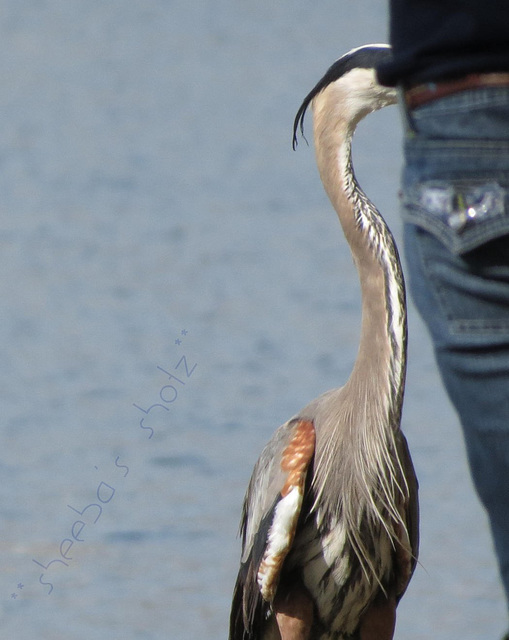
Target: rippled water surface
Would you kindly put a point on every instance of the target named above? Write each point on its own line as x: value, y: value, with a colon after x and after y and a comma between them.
x: 174, y: 286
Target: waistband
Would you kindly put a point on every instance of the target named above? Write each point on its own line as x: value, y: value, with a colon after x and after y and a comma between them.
x: 424, y: 93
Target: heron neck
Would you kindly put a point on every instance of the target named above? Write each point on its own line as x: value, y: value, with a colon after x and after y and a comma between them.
x: 377, y: 379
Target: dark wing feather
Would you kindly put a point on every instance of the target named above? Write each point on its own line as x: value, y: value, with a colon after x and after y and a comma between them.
x: 269, y: 519
x: 249, y: 610
x: 407, y: 560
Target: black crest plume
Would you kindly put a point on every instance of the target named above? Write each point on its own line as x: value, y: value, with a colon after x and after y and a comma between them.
x: 367, y: 57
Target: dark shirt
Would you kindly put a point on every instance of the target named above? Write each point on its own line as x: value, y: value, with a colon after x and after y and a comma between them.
x: 438, y: 39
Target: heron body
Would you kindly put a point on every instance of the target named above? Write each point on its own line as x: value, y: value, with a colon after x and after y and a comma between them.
x: 330, y: 518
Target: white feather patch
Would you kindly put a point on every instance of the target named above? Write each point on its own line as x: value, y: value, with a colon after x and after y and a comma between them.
x: 278, y: 542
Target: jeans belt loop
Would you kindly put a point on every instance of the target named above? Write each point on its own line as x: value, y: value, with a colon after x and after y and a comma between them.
x: 406, y: 115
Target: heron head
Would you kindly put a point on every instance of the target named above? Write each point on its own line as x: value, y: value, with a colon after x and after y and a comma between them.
x: 351, y: 85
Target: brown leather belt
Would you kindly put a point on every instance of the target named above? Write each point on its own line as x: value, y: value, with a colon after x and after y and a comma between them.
x: 424, y: 93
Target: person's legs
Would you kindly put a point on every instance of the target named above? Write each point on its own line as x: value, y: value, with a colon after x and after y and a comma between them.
x: 456, y: 210
x: 464, y: 300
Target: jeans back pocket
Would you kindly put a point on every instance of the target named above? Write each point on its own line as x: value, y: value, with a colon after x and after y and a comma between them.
x: 463, y: 214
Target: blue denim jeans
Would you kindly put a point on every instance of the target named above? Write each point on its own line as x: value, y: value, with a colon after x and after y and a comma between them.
x: 455, y: 196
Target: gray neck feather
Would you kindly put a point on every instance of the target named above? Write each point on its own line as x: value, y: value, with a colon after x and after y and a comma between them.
x: 356, y: 447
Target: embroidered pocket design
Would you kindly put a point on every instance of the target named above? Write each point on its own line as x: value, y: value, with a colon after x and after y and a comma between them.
x: 462, y: 215
x: 461, y: 206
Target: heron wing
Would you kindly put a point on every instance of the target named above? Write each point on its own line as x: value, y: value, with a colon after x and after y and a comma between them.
x: 270, y: 514
x: 409, y: 549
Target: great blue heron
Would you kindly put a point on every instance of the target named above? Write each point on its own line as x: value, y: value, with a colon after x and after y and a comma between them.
x: 330, y: 518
